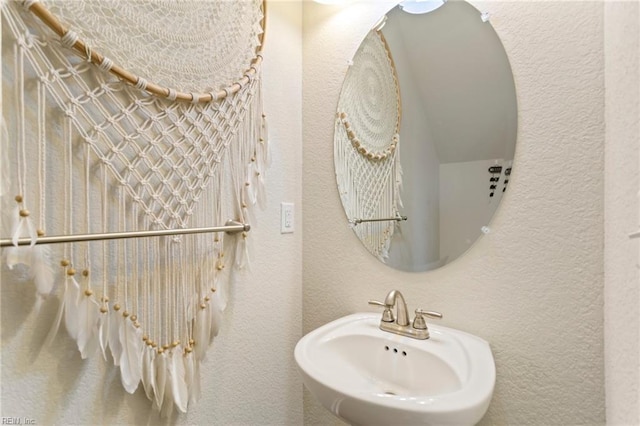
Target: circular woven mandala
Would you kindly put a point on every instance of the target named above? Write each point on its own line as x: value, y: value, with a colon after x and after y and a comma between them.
x: 370, y: 96
x: 208, y: 44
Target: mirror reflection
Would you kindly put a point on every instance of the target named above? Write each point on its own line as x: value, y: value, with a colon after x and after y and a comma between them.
x: 425, y: 133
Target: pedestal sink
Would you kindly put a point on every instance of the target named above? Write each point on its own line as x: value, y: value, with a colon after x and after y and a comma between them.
x: 367, y: 376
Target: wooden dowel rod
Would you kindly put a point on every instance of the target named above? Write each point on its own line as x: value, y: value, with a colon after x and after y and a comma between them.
x: 38, y: 9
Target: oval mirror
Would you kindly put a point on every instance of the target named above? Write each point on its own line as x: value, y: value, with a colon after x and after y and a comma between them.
x: 425, y: 133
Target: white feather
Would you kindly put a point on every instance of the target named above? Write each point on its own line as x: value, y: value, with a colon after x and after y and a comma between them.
x: 115, y: 319
x: 251, y: 188
x: 261, y: 190
x: 192, y: 377
x: 161, y: 378
x: 71, y: 300
x: 23, y: 228
x: 103, y: 332
x: 179, y: 389
x: 131, y: 356
x: 148, y: 372
x: 167, y: 404
x: 201, y: 330
x: 216, y: 306
x: 41, y: 271
x: 18, y: 255
x: 88, y: 339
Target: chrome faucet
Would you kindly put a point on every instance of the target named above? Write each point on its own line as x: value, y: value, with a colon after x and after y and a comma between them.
x: 418, y: 328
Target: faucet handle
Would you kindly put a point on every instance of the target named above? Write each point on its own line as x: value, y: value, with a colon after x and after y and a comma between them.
x: 387, y: 314
x: 419, y: 322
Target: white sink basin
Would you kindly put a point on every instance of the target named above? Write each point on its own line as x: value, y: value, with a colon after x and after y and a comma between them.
x: 367, y: 376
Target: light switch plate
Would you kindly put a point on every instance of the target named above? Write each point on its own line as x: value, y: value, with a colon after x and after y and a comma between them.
x: 286, y: 218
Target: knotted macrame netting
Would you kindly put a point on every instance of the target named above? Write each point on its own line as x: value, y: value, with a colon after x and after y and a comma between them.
x: 366, y: 144
x: 87, y: 152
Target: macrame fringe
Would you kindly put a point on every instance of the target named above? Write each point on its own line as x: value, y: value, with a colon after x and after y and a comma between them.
x: 367, y: 147
x: 139, y: 162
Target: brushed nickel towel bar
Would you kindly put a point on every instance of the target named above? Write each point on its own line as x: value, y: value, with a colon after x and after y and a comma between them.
x: 397, y: 219
x: 231, y: 227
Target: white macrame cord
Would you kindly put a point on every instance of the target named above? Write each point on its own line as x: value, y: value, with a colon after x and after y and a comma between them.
x: 367, y: 142
x: 92, y: 153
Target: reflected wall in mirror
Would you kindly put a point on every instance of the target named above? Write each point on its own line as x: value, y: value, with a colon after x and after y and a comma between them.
x: 425, y: 134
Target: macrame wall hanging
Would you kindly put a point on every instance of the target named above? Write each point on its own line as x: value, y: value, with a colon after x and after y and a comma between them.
x: 125, y: 115
x: 366, y: 145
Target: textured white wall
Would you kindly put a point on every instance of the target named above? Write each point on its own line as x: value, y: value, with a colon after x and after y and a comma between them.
x: 622, y: 212
x: 249, y: 377
x: 533, y: 287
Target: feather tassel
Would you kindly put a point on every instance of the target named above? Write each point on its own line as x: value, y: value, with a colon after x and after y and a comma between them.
x: 241, y: 257
x: 71, y: 302
x: 41, y: 271
x: 21, y: 227
x: 216, y: 307
x: 251, y: 186
x: 115, y: 321
x: 178, y: 384
x: 201, y: 331
x: 148, y: 372
x: 131, y: 356
x: 192, y: 377
x: 161, y: 378
x: 103, y: 331
x: 88, y: 335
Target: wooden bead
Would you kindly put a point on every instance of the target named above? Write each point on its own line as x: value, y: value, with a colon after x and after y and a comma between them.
x: 203, y: 306
x: 174, y: 343
x: 104, y: 299
x: 24, y: 213
x: 134, y: 318
x: 19, y: 198
x: 88, y: 292
x: 125, y: 314
x: 85, y: 273
x: 191, y: 342
x: 207, y: 298
x: 116, y: 307
x: 40, y: 232
x: 71, y: 272
x: 165, y: 347
x: 188, y: 350
x: 145, y: 338
x: 160, y: 351
x: 64, y: 263
x: 103, y: 310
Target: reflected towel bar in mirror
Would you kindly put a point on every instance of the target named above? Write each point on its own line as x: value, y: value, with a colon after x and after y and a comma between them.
x: 230, y: 227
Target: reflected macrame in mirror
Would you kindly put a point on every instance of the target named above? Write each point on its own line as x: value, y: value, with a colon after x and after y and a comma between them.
x: 425, y: 133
